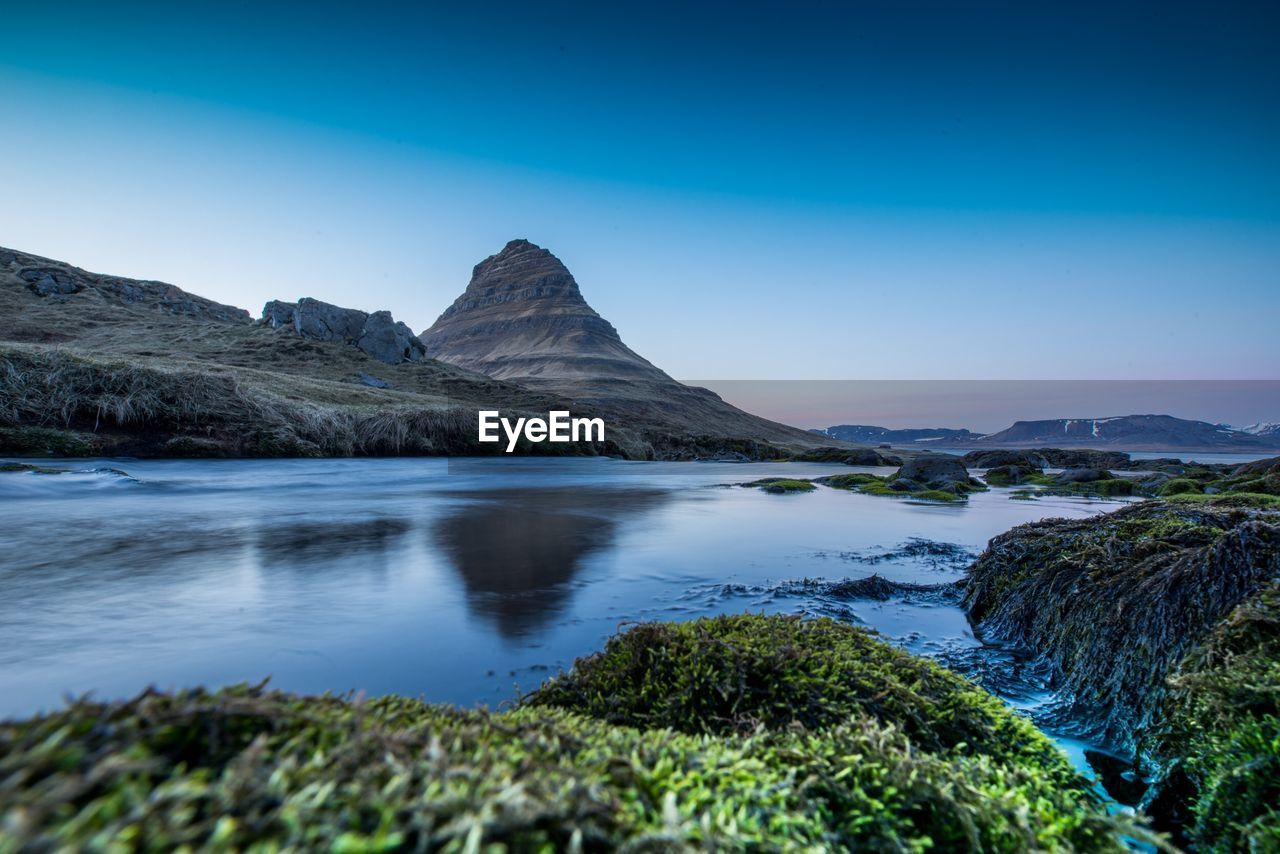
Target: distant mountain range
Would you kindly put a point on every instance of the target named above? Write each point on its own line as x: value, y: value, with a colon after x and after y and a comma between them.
x: 1128, y: 432
x: 1263, y: 429
x: 867, y: 434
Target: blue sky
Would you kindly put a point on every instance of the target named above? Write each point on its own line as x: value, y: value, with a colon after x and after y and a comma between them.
x: 747, y: 191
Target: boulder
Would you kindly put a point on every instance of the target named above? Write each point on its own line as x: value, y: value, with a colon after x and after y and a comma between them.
x: 1083, y: 475
x: 1084, y: 458
x: 372, y: 381
x: 389, y: 340
x: 937, y: 471
x: 869, y: 457
x: 1011, y: 475
x: 278, y: 313
x: 998, y: 459
x: 322, y: 321
x: 44, y: 282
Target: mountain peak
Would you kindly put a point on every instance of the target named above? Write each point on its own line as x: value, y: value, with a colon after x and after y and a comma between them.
x: 522, y: 315
x: 522, y: 269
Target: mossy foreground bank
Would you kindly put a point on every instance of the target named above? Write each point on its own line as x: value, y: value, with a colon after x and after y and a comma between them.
x: 1161, y: 623
x: 732, y: 733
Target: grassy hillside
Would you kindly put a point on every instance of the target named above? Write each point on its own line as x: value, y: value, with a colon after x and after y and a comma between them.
x: 94, y: 364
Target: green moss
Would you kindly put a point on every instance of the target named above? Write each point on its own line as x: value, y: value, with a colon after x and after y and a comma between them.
x: 936, y: 495
x: 1230, y: 499
x: 780, y: 485
x: 195, y: 447
x: 26, y: 467
x: 47, y: 442
x: 1180, y: 485
x: 848, y: 481
x: 880, y: 486
x: 1119, y: 603
x: 731, y: 673
x: 1223, y: 730
x: 886, y: 753
x: 1114, y: 601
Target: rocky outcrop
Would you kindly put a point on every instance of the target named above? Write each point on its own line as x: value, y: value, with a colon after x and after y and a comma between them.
x: 389, y: 340
x: 378, y: 334
x: 1159, y: 625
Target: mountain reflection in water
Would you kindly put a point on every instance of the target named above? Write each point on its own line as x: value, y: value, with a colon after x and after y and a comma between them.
x: 517, y: 551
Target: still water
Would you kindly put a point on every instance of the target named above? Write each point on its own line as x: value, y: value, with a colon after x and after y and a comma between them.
x: 464, y: 581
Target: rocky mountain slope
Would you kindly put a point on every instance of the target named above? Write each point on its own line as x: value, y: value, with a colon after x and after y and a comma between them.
x: 523, y: 318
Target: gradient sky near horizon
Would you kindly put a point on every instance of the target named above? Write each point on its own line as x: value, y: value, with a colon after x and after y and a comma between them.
x: 746, y: 190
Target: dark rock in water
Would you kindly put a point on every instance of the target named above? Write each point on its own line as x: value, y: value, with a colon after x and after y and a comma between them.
x: 997, y: 459
x: 877, y: 588
x: 1010, y: 475
x: 372, y: 381
x: 856, y: 457
x: 389, y: 340
x: 1071, y: 458
x: 1168, y: 803
x: 1118, y: 776
x: 868, y: 457
x: 940, y: 471
x: 46, y: 282
x: 1083, y: 475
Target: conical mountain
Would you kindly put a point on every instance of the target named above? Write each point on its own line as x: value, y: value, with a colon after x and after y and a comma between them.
x: 523, y: 318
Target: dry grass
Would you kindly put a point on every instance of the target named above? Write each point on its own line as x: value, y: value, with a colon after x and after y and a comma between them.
x: 133, y: 406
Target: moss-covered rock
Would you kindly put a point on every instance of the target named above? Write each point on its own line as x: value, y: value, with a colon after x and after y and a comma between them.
x: 781, y: 485
x: 246, y: 767
x: 897, y: 487
x: 1114, y: 601
x: 25, y: 440
x: 1120, y: 603
x: 1219, y: 743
